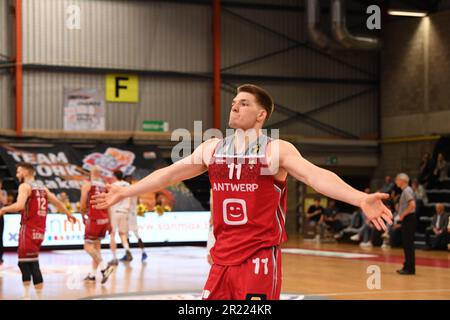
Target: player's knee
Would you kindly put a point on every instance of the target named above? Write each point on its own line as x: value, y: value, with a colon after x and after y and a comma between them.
x: 89, y: 247
x: 123, y: 235
x: 25, y: 270
x: 36, y: 273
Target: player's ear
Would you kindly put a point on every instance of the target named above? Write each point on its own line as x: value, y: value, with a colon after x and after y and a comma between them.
x: 262, y: 114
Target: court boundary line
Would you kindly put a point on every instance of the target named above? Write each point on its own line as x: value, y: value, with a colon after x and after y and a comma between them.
x: 335, y: 294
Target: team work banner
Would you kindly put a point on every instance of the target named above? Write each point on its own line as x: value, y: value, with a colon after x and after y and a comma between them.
x: 57, y: 166
x: 63, y: 168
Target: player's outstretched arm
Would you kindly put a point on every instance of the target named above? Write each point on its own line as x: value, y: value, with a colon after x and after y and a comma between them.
x: 187, y: 168
x: 330, y: 185
x: 22, y: 196
x: 59, y: 205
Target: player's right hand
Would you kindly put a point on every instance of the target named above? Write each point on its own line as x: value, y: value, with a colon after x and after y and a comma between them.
x: 106, y: 199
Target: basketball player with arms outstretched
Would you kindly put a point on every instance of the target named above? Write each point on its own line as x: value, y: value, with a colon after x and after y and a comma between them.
x: 248, y: 173
x: 32, y: 202
x: 97, y: 224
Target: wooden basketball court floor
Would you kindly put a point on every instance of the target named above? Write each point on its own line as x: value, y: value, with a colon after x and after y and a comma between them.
x: 310, y: 271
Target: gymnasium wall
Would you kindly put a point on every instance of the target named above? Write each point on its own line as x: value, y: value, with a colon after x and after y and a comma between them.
x: 415, y: 82
x: 415, y: 78
x: 312, y: 78
x: 168, y: 43
x: 6, y: 93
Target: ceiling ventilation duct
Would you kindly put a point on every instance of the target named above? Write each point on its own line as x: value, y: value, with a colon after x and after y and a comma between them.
x: 313, y: 21
x: 341, y: 33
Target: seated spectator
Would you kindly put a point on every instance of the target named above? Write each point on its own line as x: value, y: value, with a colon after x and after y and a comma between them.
x: 356, y: 223
x: 64, y: 198
x: 420, y: 195
x: 364, y: 236
x: 419, y: 191
x: 437, y: 234
x: 355, y: 226
x: 10, y: 198
x: 388, y: 185
x: 425, y: 169
x: 314, y: 214
x: 315, y: 211
x: 330, y: 217
x: 440, y: 171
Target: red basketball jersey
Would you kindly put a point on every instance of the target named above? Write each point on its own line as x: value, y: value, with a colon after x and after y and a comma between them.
x: 97, y: 187
x: 34, y: 215
x: 249, y: 204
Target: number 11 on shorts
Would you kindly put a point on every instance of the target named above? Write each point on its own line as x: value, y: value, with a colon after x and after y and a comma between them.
x: 264, y: 261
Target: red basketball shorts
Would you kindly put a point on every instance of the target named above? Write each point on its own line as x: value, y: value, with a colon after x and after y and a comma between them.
x: 96, y: 229
x: 257, y: 278
x: 30, y: 240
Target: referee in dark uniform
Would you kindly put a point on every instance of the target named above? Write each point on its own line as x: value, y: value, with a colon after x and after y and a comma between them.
x: 407, y: 207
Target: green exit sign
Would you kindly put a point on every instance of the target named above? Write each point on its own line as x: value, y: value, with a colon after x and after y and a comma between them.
x: 155, y: 125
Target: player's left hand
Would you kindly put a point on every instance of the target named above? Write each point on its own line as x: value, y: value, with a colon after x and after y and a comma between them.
x: 107, y: 199
x: 375, y: 210
x: 72, y: 219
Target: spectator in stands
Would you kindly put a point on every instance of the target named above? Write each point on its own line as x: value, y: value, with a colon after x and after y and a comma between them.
x: 441, y: 170
x: 357, y: 223
x: 3, y: 202
x: 64, y: 198
x: 421, y: 196
x: 315, y: 211
x: 314, y: 214
x: 364, y: 236
x: 425, y: 168
x: 437, y: 233
x: 388, y: 185
x: 330, y: 217
x: 10, y: 198
x: 419, y: 191
x: 406, y: 210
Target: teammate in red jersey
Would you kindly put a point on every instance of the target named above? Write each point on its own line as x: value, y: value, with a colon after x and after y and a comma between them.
x: 96, y: 223
x: 32, y: 202
x: 248, y: 174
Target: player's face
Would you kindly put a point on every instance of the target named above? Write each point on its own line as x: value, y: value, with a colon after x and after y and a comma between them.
x: 21, y: 174
x: 245, y: 112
